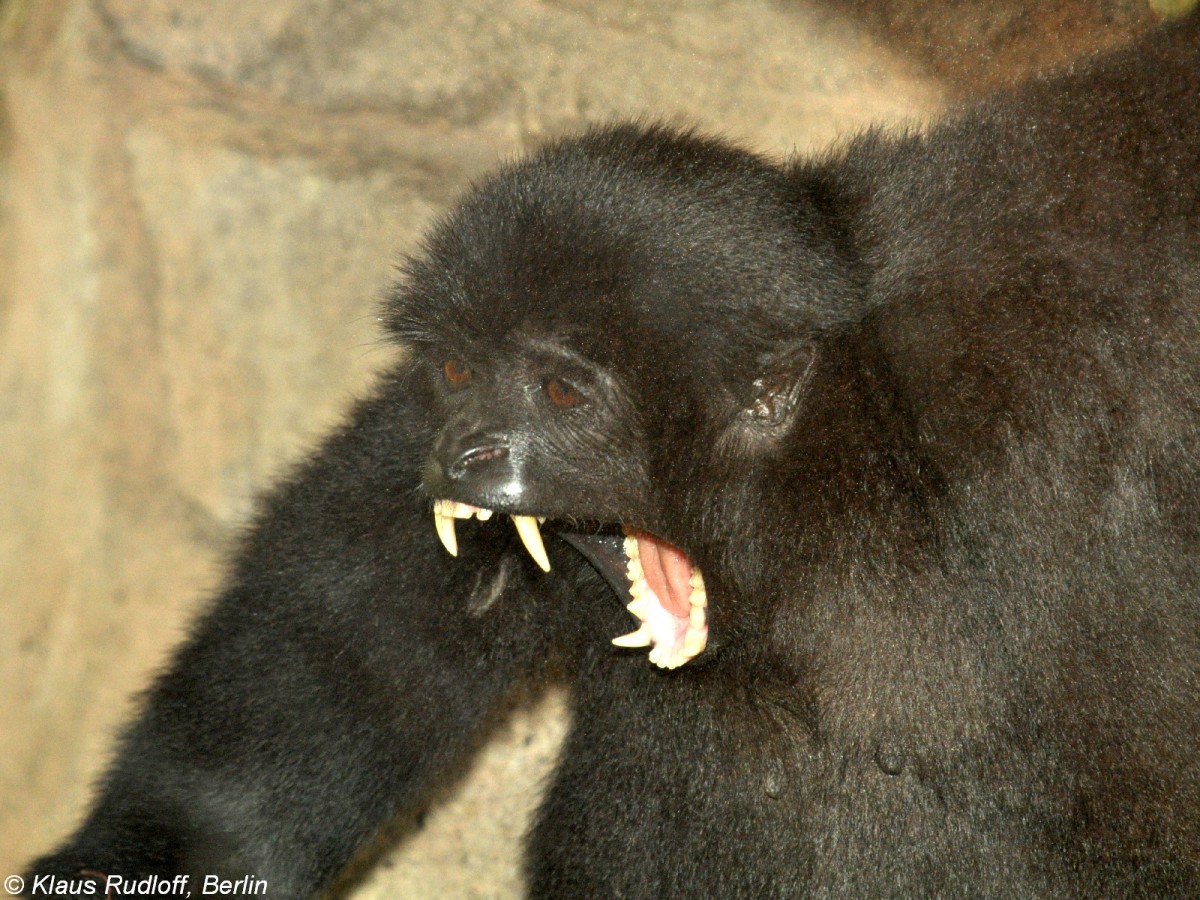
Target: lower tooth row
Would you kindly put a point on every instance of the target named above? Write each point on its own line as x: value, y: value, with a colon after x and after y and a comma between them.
x: 694, y: 639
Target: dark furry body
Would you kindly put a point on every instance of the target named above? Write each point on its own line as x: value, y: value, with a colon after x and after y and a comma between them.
x: 958, y: 601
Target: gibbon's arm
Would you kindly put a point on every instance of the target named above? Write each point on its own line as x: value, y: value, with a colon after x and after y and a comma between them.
x: 348, y: 660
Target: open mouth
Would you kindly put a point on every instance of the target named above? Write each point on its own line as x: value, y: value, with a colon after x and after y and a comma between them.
x: 667, y: 594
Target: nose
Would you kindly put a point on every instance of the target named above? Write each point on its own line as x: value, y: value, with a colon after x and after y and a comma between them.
x: 474, y: 467
x: 473, y: 458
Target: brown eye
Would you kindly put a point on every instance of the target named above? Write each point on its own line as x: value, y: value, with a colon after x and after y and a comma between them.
x: 561, y: 394
x: 456, y: 371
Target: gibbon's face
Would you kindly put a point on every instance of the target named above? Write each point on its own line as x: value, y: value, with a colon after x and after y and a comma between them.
x: 612, y: 336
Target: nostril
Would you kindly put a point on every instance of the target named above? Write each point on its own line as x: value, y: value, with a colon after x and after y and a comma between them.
x: 474, y: 457
x: 479, y: 455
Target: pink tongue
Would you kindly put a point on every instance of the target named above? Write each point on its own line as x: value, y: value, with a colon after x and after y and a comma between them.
x: 668, y: 573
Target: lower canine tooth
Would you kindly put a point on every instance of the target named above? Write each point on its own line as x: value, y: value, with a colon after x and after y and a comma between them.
x: 531, y: 537
x: 639, y: 638
x: 445, y: 529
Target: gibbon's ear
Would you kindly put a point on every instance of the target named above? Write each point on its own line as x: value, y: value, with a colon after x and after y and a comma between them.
x: 771, y: 402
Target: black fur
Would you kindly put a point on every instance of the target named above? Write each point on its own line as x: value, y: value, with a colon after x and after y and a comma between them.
x: 926, y: 413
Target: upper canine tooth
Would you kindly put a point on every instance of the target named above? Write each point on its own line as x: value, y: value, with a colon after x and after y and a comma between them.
x: 445, y: 528
x: 531, y: 537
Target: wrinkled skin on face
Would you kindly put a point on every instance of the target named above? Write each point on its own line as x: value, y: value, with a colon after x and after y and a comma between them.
x: 578, y: 353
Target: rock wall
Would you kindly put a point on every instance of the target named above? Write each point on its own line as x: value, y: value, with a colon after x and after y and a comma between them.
x: 200, y: 205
